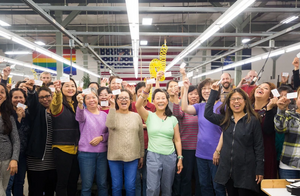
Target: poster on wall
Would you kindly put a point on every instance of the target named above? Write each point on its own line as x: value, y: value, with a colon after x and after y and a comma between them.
x: 50, y: 63
x: 230, y: 59
x: 117, y: 57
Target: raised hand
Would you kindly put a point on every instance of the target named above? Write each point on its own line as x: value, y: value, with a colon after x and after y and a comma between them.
x: 6, y: 72
x: 272, y: 103
x: 186, y: 83
x: 29, y: 85
x: 80, y: 98
x: 283, y: 103
x: 148, y: 86
x: 182, y: 71
x: 57, y: 85
x: 215, y: 86
x: 284, y: 79
x: 20, y: 112
x: 103, y: 82
x: 112, y: 101
x: 296, y: 63
x: 159, y: 75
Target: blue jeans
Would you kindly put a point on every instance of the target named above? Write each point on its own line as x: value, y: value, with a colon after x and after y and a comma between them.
x: 116, y: 170
x: 19, y: 178
x: 207, y: 171
x: 138, y: 184
x: 289, y: 174
x: 90, y: 164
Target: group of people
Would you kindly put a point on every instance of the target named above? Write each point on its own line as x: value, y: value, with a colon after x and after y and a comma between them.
x: 219, y: 137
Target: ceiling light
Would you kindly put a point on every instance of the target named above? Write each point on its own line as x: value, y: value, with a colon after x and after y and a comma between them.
x: 275, y: 53
x: 17, y: 52
x: 40, y: 43
x: 289, y: 19
x: 143, y: 42
x: 246, y: 40
x: 4, y: 24
x: 147, y: 21
x: 293, y: 48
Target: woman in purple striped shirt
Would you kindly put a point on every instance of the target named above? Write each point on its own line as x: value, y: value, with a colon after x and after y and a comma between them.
x: 188, y: 133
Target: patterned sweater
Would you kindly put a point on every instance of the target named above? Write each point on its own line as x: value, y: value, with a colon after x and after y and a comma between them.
x: 126, y: 136
x: 288, y: 122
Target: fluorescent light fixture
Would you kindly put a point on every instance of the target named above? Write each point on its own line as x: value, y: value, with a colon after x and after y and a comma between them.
x: 251, y: 60
x: 28, y: 44
x: 238, y: 7
x: 40, y: 43
x: 246, y: 40
x: 293, y: 48
x: 132, y: 7
x: 234, y: 10
x: 276, y: 53
x: 143, y: 42
x: 4, y: 24
x: 147, y: 21
x: 17, y: 74
x: 17, y: 52
x: 289, y: 19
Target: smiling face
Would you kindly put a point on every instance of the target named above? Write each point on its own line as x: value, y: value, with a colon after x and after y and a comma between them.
x: 263, y: 92
x: 23, y: 87
x: 45, y: 98
x: 17, y: 97
x: 123, y: 101
x: 205, y: 91
x: 237, y: 103
x: 103, y: 96
x: 225, y: 80
x: 160, y: 101
x: 173, y: 87
x: 193, y: 97
x: 91, y: 101
x: 114, y: 85
x: 69, y: 89
x: 3, y: 95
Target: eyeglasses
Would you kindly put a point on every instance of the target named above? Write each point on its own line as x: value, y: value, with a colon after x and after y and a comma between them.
x: 123, y: 98
x: 236, y: 99
x: 45, y: 97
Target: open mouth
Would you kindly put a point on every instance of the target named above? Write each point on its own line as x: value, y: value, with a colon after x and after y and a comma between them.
x: 260, y: 92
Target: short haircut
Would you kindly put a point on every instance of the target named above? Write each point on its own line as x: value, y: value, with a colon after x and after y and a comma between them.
x: 285, y: 88
x: 45, y: 73
x: 102, y: 88
x: 170, y: 82
x: 44, y: 88
x: 139, y: 85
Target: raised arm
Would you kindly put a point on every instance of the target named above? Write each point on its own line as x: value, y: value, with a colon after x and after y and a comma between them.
x: 209, y: 107
x: 296, y: 73
x: 80, y: 116
x: 139, y: 103
x: 32, y: 98
x: 281, y: 119
x: 189, y: 109
x: 56, y: 104
x: 111, y: 117
x: 268, y: 126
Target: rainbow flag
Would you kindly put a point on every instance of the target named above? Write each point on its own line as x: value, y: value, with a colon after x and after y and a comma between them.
x: 50, y: 63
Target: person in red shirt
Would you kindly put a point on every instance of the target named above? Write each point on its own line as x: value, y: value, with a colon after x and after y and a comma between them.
x: 150, y: 107
x: 245, y: 83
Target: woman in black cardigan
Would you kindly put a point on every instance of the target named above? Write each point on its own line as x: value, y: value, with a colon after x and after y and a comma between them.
x: 241, y: 166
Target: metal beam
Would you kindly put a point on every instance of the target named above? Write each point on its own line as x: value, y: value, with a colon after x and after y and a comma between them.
x: 285, y: 31
x: 71, y: 16
x: 168, y: 9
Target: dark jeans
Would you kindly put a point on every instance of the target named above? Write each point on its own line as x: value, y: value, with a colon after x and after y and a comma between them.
x: 67, y: 172
x: 232, y: 191
x: 16, y: 182
x: 140, y: 187
x: 289, y: 174
x: 189, y: 170
x: 207, y: 171
x: 92, y: 164
x: 41, y: 181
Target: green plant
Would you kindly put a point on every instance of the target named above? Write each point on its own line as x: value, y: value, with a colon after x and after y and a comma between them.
x: 86, y: 81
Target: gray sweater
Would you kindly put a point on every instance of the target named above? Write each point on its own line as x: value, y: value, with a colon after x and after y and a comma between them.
x: 9, y: 144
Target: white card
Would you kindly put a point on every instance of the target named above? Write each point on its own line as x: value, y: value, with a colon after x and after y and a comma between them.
x: 190, y: 74
x: 77, y: 82
x: 168, y: 74
x: 65, y: 79
x: 132, y: 84
x: 298, y: 55
x: 182, y: 65
x: 21, y: 105
x: 291, y: 95
x: 285, y: 74
x: 52, y: 89
x: 104, y: 103
x: 275, y: 93
x: 219, y: 81
x: 119, y: 81
x: 180, y: 84
x: 87, y: 91
x: 31, y: 77
x: 38, y: 82
x: 116, y: 92
x: 151, y: 81
x: 13, y: 66
x: 13, y: 86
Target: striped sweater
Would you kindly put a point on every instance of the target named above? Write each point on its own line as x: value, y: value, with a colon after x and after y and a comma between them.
x: 288, y: 122
x: 188, y: 126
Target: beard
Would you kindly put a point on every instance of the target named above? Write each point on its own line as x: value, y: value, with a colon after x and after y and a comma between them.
x: 226, y: 85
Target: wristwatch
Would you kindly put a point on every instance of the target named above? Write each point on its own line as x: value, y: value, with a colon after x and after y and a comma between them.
x: 180, y: 157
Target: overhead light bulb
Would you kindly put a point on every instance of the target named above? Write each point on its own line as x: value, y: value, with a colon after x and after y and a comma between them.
x: 40, y: 43
x: 143, y: 42
x: 289, y: 19
x: 246, y: 40
x: 17, y: 52
x: 147, y: 21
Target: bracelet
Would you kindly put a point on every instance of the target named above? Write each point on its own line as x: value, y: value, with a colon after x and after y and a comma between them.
x: 142, y: 97
x: 180, y: 157
x: 218, y: 152
x: 145, y: 93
